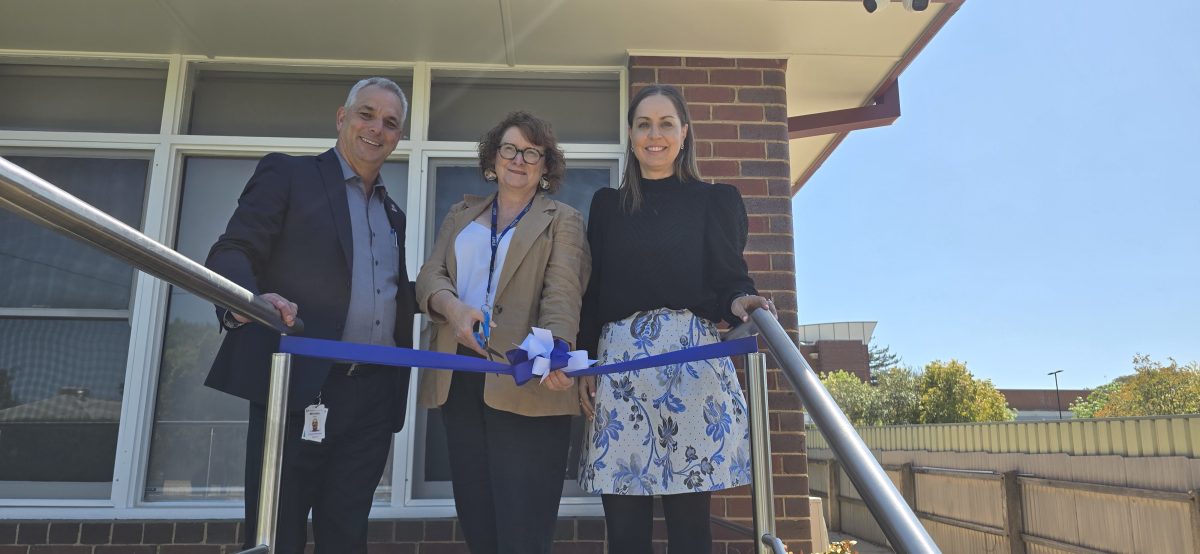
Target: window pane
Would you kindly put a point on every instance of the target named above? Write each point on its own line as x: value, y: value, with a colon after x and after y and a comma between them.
x: 67, y: 98
x: 198, y: 446
x: 581, y: 110
x: 239, y: 103
x: 451, y: 179
x: 60, y: 404
x: 61, y: 379
x: 46, y: 269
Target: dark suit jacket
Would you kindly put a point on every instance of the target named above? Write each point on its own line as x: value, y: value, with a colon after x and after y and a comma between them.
x: 291, y: 235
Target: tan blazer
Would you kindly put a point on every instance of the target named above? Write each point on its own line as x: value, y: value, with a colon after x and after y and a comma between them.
x: 541, y: 284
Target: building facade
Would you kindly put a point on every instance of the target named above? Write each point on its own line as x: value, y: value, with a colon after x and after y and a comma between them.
x: 108, y: 440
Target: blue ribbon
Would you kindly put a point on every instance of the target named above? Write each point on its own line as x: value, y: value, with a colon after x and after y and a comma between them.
x: 522, y: 365
x: 519, y: 364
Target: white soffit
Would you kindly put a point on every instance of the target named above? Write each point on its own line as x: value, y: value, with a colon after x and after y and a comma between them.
x: 847, y: 330
x: 543, y: 32
x: 837, y: 53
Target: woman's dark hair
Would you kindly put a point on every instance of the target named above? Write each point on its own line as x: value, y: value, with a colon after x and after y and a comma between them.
x: 685, y: 162
x: 537, y: 131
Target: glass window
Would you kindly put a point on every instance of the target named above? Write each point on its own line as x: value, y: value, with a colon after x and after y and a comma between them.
x: 450, y: 180
x: 198, y: 447
x: 64, y: 337
x: 259, y: 103
x: 69, y: 98
x: 583, y: 109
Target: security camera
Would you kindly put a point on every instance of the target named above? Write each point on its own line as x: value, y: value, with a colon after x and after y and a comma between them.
x: 911, y: 5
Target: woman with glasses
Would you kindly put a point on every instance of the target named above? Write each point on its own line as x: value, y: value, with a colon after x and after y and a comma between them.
x: 501, y: 265
x: 666, y: 267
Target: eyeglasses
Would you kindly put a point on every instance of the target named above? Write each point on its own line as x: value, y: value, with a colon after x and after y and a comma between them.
x: 531, y: 155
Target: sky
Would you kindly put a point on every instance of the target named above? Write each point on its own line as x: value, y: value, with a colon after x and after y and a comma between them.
x: 1036, y: 207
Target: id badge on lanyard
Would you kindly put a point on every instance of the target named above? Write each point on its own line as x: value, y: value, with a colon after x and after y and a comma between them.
x: 484, y: 333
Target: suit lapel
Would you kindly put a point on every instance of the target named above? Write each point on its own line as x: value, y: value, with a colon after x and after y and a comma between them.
x: 524, y: 235
x: 395, y: 216
x: 335, y: 189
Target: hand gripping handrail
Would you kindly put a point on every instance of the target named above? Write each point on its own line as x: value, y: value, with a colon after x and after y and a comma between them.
x: 32, y: 197
x: 897, y: 520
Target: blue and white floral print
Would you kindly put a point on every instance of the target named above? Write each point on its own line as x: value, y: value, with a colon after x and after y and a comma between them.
x: 666, y: 430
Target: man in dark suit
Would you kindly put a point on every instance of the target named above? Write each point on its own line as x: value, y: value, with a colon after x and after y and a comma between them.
x: 318, y: 237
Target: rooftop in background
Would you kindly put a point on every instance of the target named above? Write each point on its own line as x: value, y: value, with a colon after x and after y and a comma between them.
x: 846, y: 330
x: 1037, y: 404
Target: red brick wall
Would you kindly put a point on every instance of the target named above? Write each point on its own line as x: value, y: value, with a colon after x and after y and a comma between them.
x: 826, y: 356
x: 1042, y: 399
x: 739, y: 121
x: 434, y: 536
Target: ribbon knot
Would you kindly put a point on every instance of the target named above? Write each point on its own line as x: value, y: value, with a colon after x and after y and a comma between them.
x: 540, y: 353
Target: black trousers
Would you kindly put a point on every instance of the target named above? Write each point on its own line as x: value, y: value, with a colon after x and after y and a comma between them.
x: 629, y: 521
x: 507, y: 471
x: 335, y: 478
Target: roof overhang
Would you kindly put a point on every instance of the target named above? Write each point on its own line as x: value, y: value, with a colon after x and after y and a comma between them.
x: 839, y: 56
x: 830, y: 96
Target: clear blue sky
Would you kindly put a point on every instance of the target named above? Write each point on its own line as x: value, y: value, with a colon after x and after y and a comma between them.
x: 1037, y: 205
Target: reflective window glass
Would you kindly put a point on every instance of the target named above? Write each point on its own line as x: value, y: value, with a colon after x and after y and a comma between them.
x: 64, y: 337
x: 243, y: 103
x: 47, y: 269
x: 580, y: 109
x: 70, y: 98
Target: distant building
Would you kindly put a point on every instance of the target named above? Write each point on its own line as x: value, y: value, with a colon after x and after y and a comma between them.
x: 1037, y: 404
x: 829, y: 347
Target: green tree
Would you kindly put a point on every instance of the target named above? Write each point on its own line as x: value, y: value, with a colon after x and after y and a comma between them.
x: 1085, y: 407
x: 951, y: 394
x: 1155, y: 388
x: 881, y: 358
x: 858, y: 400
x: 899, y: 395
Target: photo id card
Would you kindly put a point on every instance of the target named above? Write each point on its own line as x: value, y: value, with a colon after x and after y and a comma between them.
x: 314, y: 423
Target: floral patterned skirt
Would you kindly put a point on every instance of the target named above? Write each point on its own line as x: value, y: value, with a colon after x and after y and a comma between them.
x: 666, y: 430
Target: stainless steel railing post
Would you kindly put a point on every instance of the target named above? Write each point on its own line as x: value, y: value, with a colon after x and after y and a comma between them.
x: 900, y: 525
x: 762, y: 494
x: 272, y: 459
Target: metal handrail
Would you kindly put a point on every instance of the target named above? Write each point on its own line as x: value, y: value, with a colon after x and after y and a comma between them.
x: 897, y: 520
x: 32, y: 197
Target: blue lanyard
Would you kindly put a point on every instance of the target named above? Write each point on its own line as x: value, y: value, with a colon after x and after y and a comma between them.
x: 496, y: 238
x: 485, y: 332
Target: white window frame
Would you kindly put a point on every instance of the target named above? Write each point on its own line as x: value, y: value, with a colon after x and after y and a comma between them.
x: 149, y: 298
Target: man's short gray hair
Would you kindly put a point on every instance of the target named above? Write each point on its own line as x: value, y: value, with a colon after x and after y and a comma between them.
x: 383, y: 83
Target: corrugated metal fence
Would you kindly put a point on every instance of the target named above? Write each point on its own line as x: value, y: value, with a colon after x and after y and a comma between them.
x: 1076, y: 486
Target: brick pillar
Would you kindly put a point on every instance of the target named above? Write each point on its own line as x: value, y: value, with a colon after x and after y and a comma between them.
x: 739, y: 122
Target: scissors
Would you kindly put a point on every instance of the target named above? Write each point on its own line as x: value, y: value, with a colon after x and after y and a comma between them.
x: 483, y: 335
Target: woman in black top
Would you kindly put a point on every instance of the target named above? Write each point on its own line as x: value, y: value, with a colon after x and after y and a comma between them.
x: 666, y: 267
